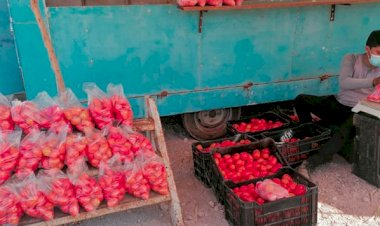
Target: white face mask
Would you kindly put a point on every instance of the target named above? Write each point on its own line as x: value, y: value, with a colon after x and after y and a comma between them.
x: 375, y: 60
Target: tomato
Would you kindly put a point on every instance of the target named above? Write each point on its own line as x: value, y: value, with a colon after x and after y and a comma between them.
x: 98, y: 148
x: 10, y: 209
x: 256, y: 124
x: 101, y: 111
x: 121, y: 107
x: 79, y: 117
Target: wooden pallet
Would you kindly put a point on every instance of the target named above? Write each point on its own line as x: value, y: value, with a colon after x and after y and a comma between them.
x: 152, y: 127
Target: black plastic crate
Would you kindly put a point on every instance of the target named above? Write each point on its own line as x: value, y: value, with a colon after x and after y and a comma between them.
x: 311, y: 137
x: 268, y: 116
x: 296, y: 210
x: 202, y: 160
x: 366, y: 151
x: 288, y: 114
x: 216, y: 179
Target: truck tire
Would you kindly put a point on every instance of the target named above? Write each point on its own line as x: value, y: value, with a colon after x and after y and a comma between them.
x: 208, y: 125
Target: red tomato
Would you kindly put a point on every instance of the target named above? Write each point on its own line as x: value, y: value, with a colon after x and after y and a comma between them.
x: 10, y: 209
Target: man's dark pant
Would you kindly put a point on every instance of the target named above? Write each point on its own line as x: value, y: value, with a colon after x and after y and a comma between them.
x: 333, y: 115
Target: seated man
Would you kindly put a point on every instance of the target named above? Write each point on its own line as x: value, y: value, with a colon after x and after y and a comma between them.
x: 359, y: 74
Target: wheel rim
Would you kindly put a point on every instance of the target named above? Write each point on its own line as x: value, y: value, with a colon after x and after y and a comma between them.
x: 213, y: 118
x: 208, y: 125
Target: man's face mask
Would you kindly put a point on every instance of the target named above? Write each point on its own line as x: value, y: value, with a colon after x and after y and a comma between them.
x: 375, y: 60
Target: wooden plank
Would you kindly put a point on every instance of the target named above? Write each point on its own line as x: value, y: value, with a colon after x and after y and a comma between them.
x: 34, y: 4
x: 146, y: 124
x: 176, y: 212
x: 128, y: 203
x: 269, y: 5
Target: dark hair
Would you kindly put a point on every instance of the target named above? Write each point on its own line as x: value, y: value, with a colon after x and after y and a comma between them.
x: 373, y: 39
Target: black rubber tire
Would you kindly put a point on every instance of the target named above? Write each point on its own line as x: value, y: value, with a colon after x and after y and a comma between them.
x: 208, y: 125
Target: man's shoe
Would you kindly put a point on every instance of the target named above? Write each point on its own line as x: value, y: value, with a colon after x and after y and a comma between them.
x: 303, y: 170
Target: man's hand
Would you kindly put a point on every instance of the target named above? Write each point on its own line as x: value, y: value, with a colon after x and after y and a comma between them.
x: 376, y: 81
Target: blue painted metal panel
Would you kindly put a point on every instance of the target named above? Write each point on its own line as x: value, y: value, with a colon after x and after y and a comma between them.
x: 151, y: 48
x: 321, y: 44
x: 37, y: 72
x: 10, y: 77
x: 146, y: 50
x: 252, y: 45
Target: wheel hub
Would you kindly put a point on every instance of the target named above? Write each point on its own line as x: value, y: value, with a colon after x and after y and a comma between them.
x: 212, y: 118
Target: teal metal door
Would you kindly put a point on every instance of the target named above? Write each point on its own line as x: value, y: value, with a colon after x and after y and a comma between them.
x: 10, y: 77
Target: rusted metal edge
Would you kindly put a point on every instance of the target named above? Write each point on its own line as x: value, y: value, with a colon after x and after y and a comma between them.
x: 144, y: 124
x: 270, y: 5
x: 101, y: 211
x: 246, y: 85
x: 34, y: 4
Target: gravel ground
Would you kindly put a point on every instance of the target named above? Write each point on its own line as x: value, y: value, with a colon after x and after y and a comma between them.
x: 344, y: 199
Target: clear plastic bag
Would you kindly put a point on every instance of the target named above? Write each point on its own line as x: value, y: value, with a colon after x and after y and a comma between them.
x: 98, y: 148
x: 120, y: 144
x: 202, y: 2
x: 99, y: 105
x: 6, y: 122
x: 76, y: 147
x: 87, y: 190
x: 9, y: 153
x: 74, y: 112
x: 53, y: 149
x: 112, y: 180
x: 215, y: 2
x: 57, y: 188
x: 30, y: 151
x: 120, y: 105
x: 229, y: 2
x: 270, y: 190
x: 239, y: 2
x: 26, y: 115
x: 10, y: 209
x: 32, y: 201
x: 138, y: 140
x: 375, y: 96
x: 135, y: 183
x: 155, y: 172
x: 187, y: 2
x: 51, y: 113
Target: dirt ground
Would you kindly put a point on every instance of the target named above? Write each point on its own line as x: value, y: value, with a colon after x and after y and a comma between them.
x: 344, y: 199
